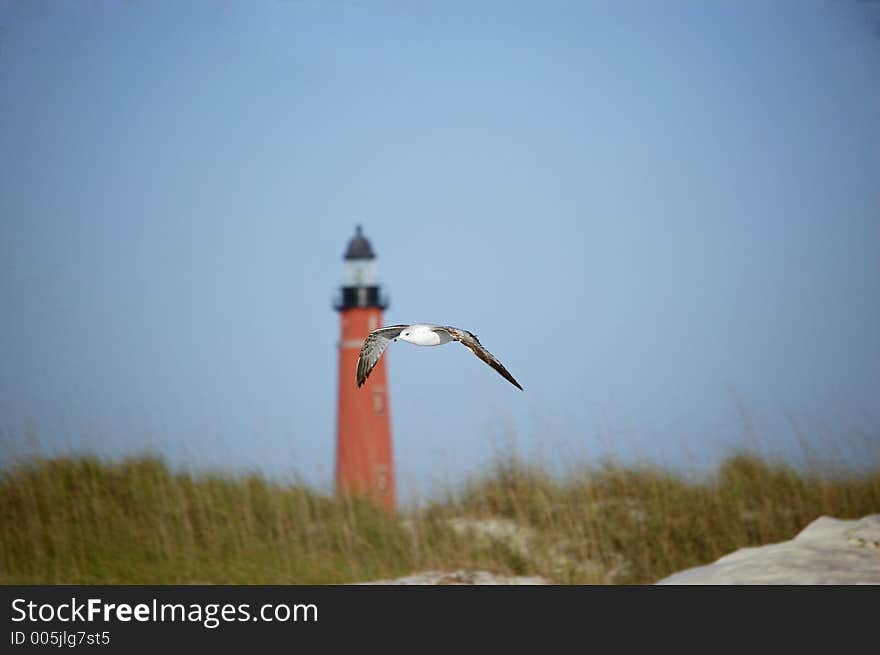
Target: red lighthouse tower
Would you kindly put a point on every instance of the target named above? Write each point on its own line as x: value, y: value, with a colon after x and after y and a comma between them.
x: 363, y: 430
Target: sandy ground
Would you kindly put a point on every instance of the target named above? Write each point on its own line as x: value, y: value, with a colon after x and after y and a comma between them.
x: 828, y: 551
x: 461, y: 577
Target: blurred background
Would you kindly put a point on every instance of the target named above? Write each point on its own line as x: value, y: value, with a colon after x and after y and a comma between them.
x: 662, y: 217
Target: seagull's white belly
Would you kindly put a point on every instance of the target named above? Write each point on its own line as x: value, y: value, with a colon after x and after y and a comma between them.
x: 426, y: 337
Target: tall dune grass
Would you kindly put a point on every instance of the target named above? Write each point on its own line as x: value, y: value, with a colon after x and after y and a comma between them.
x: 82, y: 520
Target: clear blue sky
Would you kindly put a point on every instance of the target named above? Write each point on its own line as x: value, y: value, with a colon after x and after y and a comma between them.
x: 656, y: 214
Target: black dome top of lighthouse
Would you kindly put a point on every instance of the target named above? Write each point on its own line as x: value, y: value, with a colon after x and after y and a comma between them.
x: 359, y: 247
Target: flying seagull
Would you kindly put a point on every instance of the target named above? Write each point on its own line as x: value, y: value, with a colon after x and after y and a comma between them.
x: 422, y: 334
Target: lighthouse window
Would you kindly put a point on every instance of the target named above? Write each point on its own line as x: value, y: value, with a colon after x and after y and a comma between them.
x: 379, y: 401
x: 381, y: 479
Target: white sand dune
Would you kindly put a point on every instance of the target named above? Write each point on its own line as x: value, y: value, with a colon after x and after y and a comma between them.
x: 828, y: 551
x: 461, y: 578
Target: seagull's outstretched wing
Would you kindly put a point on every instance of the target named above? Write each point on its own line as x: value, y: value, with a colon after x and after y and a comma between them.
x: 469, y: 339
x: 374, y: 346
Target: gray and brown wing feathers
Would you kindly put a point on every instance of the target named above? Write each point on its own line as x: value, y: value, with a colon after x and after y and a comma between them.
x: 470, y: 341
x: 372, y: 349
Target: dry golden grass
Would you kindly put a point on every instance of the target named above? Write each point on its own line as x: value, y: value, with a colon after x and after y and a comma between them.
x: 81, y: 520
